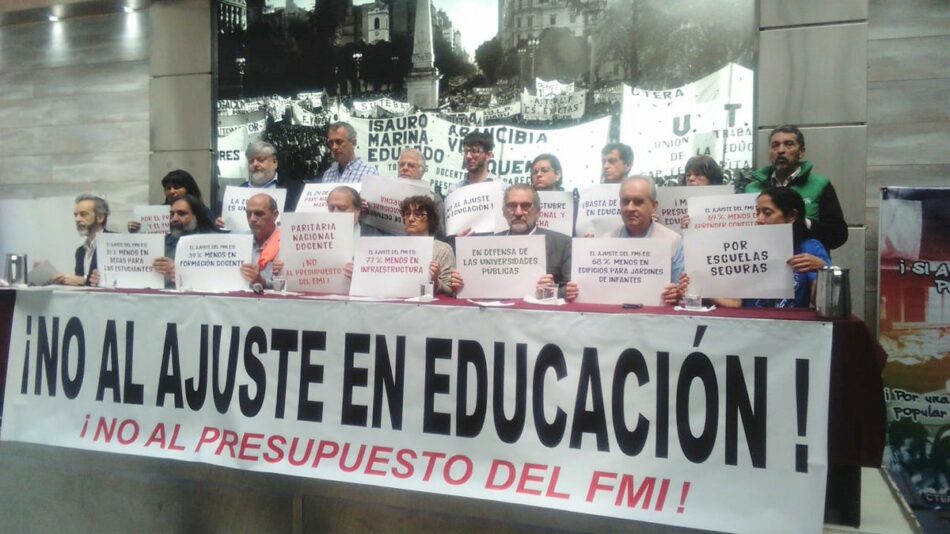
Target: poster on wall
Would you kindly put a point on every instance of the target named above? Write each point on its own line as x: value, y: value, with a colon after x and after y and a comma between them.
x: 914, y: 329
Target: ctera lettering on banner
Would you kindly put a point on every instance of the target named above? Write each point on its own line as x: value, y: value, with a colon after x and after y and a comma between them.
x: 724, y: 430
x: 315, y: 247
x: 153, y: 219
x: 125, y: 260
x: 212, y: 262
x: 391, y: 266
x: 557, y: 211
x: 671, y: 202
x: 383, y: 195
x: 747, y: 262
x: 616, y: 271
x: 313, y: 197
x: 500, y: 266
x: 721, y: 211
x: 598, y: 211
x: 234, y: 205
x: 476, y: 206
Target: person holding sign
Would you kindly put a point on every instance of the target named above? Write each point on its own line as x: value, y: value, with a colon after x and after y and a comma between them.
x: 616, y: 161
x: 412, y: 165
x: 262, y: 218
x: 823, y: 219
x: 187, y: 218
x: 477, y: 152
x: 176, y: 185
x: 782, y: 205
x: 345, y: 199
x: 91, y: 214
x: 421, y: 217
x: 348, y: 167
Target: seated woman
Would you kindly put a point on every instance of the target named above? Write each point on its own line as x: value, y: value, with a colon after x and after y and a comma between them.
x: 421, y: 218
x: 780, y: 205
x: 700, y: 170
x: 546, y: 173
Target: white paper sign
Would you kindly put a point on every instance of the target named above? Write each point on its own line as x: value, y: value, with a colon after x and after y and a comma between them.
x: 125, y: 260
x: 598, y: 210
x: 314, y: 248
x: 154, y: 219
x: 729, y: 211
x: 391, y: 266
x: 671, y: 201
x: 557, y: 211
x: 212, y: 262
x: 383, y: 195
x: 740, y: 262
x: 476, y: 206
x: 314, y: 196
x: 500, y: 266
x: 232, y: 161
x: 620, y: 270
x: 235, y: 202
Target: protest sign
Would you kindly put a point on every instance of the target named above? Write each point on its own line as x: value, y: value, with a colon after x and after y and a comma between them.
x: 391, y: 266
x: 566, y: 106
x: 212, y: 262
x: 383, y: 195
x: 153, y: 219
x: 125, y: 260
x: 598, y: 211
x: 502, y: 112
x: 476, y: 206
x: 617, y: 271
x: 744, y: 262
x: 235, y: 203
x: 721, y: 211
x: 544, y: 88
x: 500, y: 266
x: 557, y: 211
x: 314, y: 248
x: 671, y: 202
x: 630, y: 420
x: 313, y: 197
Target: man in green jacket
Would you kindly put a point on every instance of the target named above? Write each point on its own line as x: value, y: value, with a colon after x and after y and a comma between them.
x: 824, y: 218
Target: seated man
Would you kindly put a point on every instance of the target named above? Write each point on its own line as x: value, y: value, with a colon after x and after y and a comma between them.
x: 345, y: 199
x: 188, y: 217
x: 262, y: 215
x: 91, y: 214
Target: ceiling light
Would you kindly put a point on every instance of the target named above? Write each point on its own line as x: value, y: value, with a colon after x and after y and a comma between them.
x: 128, y: 9
x: 53, y: 18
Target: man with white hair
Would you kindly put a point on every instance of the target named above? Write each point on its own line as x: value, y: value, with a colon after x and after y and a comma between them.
x: 91, y: 213
x: 412, y: 165
x: 261, y: 165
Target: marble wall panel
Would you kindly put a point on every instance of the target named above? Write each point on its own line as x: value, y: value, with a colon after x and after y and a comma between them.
x: 915, y: 58
x: 16, y: 85
x: 25, y: 112
x: 92, y: 79
x: 907, y: 18
x: 920, y: 143
x: 101, y: 108
x: 98, y: 167
x: 909, y: 101
x: 774, y: 13
x: 172, y: 55
x: 181, y: 112
x: 26, y: 169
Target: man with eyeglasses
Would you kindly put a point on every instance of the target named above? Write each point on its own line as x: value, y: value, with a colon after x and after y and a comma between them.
x: 477, y: 152
x: 347, y: 167
x: 412, y: 166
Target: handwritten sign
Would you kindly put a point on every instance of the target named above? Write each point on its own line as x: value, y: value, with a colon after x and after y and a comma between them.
x: 500, y: 266
x: 721, y: 211
x: 744, y: 262
x: 391, y: 266
x: 125, y: 260
x: 314, y: 196
x: 476, y: 206
x: 598, y: 210
x: 671, y: 202
x: 616, y: 271
x: 235, y: 202
x: 154, y: 219
x: 315, y: 247
x: 212, y: 262
x: 557, y: 211
x: 383, y: 195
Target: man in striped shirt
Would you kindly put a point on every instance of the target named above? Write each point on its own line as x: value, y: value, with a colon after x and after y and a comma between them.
x: 348, y: 168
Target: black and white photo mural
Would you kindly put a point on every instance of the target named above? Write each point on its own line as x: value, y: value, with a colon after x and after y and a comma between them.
x: 671, y: 78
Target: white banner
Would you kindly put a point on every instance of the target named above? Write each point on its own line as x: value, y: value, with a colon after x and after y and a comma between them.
x: 650, y: 421
x: 598, y: 211
x: 619, y: 271
x: 383, y: 195
x: 153, y: 219
x: 477, y: 207
x: 232, y: 162
x: 212, y: 262
x: 500, y: 266
x: 505, y: 111
x: 740, y: 262
x: 552, y: 88
x: 234, y: 205
x: 557, y: 211
x: 314, y: 248
x: 302, y: 117
x: 567, y: 106
x: 671, y: 202
x: 729, y: 211
x: 391, y: 266
x: 125, y: 260
x: 314, y: 196
x: 711, y: 116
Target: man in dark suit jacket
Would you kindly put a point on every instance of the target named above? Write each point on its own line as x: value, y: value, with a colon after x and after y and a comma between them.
x: 91, y: 214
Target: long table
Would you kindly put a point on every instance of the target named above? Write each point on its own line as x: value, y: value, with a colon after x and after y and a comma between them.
x: 855, y: 404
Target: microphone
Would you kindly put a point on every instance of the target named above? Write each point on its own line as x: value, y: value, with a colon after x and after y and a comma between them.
x: 257, y: 288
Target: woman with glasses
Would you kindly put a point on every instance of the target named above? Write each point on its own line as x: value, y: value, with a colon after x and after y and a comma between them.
x: 421, y: 219
x: 546, y: 173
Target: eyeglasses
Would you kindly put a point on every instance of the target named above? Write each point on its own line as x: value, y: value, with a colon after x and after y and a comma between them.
x: 525, y: 206
x: 418, y: 215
